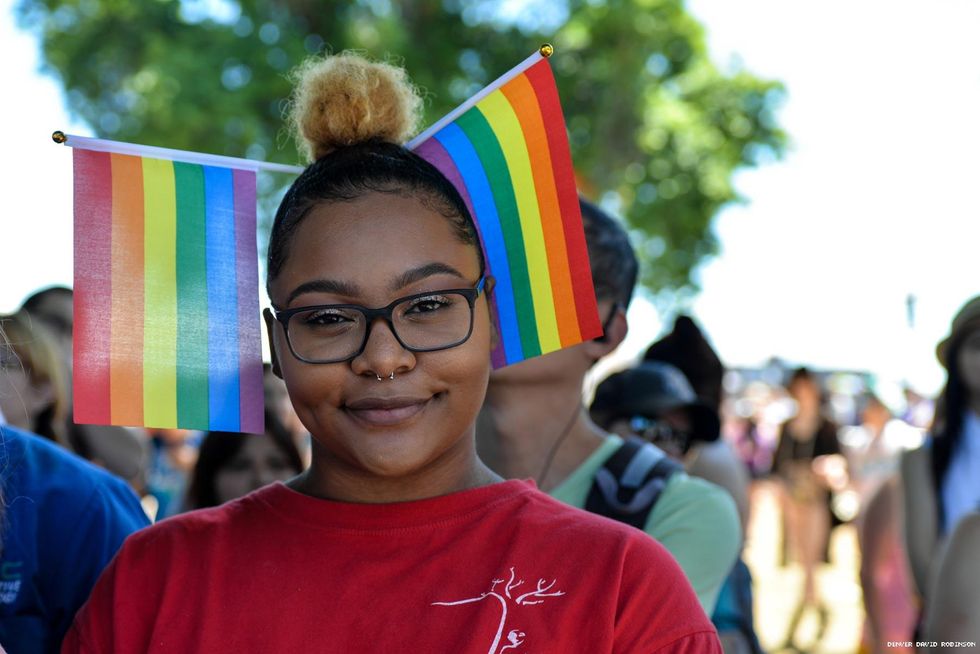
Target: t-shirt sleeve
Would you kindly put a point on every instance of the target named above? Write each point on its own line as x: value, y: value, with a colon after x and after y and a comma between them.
x: 658, y: 611
x: 85, y: 543
x: 697, y: 522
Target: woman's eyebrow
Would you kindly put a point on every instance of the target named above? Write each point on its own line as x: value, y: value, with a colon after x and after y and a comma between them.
x: 334, y: 286
x: 420, y: 273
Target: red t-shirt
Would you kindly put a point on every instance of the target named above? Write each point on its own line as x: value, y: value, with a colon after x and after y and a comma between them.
x: 502, y: 568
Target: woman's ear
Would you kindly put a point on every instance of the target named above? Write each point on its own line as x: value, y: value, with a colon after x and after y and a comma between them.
x: 615, y: 329
x: 270, y: 325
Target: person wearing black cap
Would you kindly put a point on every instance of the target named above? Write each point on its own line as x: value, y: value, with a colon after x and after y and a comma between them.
x: 656, y: 401
x: 533, y: 425
x: 939, y: 479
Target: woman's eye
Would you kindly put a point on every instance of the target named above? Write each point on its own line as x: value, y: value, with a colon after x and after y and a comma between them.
x: 325, y: 317
x: 429, y: 304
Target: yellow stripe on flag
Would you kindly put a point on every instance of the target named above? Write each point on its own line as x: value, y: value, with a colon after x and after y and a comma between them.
x: 160, y: 321
x: 498, y: 112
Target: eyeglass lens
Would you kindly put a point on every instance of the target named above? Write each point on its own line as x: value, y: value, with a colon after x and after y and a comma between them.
x: 431, y: 322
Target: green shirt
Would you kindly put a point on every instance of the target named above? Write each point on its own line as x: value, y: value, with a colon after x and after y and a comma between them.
x: 694, y: 519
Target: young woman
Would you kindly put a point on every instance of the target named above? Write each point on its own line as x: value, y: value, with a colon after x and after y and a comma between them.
x: 397, y: 538
x: 807, y: 449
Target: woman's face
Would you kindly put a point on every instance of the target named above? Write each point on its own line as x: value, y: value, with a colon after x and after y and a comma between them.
x: 806, y: 393
x: 369, y: 252
x: 968, y: 362
x: 258, y: 462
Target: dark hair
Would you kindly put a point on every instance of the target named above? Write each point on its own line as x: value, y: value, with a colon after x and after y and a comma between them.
x: 351, y: 172
x: 804, y: 374
x: 947, y: 425
x: 686, y: 348
x: 219, y: 447
x: 611, y: 256
x: 36, y: 299
x: 36, y: 302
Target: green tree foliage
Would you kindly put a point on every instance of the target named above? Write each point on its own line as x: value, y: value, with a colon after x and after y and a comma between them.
x: 657, y: 130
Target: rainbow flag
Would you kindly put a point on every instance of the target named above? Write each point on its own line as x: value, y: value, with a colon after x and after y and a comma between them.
x: 506, y: 151
x: 166, y: 294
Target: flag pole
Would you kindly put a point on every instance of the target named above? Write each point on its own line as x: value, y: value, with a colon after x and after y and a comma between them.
x: 153, y: 152
x: 543, y: 52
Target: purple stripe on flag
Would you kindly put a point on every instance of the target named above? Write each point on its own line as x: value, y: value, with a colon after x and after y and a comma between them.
x: 251, y: 400
x: 436, y: 154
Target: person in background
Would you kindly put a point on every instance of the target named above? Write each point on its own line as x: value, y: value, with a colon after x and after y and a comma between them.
x: 939, y: 480
x: 872, y: 450
x: 61, y: 521
x: 533, y: 425
x: 33, y: 388
x: 654, y: 401
x: 124, y: 451
x: 232, y: 465
x: 808, y: 463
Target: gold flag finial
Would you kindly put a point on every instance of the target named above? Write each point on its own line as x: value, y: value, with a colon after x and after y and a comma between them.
x: 58, y: 136
x: 546, y: 50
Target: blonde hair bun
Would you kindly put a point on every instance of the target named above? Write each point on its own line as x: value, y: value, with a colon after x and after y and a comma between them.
x: 340, y: 100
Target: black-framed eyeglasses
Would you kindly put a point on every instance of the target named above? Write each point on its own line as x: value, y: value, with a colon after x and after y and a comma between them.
x: 423, y: 322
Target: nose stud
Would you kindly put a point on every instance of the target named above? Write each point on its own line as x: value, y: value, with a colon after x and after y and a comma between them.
x: 391, y: 376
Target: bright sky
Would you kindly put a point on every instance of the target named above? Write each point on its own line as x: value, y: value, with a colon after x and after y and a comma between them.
x: 873, y: 202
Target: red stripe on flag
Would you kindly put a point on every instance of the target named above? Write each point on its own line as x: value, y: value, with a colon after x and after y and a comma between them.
x: 561, y: 158
x: 93, y: 286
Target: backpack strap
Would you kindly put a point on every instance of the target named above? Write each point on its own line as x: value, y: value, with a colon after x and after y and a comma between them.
x: 629, y: 483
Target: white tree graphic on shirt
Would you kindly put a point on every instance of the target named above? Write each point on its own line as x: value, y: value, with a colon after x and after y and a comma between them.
x: 515, y: 637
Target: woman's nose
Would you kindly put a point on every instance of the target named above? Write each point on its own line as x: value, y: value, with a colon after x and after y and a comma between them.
x: 383, y: 354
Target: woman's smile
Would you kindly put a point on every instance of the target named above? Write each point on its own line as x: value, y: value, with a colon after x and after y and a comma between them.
x: 381, y: 411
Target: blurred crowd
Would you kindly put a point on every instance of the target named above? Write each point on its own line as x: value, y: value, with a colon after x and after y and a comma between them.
x: 903, y: 474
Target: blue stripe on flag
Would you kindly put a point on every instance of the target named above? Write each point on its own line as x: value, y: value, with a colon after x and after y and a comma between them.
x: 223, y: 382
x: 458, y: 145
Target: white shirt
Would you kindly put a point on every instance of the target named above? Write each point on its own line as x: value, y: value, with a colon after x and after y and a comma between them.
x: 961, y: 487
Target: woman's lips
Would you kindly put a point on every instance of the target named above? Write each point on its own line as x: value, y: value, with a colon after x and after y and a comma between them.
x: 381, y: 412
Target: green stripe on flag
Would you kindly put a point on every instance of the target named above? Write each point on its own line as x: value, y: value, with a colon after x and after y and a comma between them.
x: 192, y: 298
x: 484, y: 141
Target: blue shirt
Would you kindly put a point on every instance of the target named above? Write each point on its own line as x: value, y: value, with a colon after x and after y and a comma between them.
x: 63, y: 521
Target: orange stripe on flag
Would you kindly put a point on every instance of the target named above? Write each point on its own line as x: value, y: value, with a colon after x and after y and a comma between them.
x: 524, y: 101
x: 126, y: 348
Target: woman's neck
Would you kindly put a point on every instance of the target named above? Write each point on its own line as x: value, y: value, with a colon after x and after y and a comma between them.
x: 456, y: 470
x: 523, y: 434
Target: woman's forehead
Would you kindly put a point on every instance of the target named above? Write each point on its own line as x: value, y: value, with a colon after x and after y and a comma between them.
x: 371, y: 241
